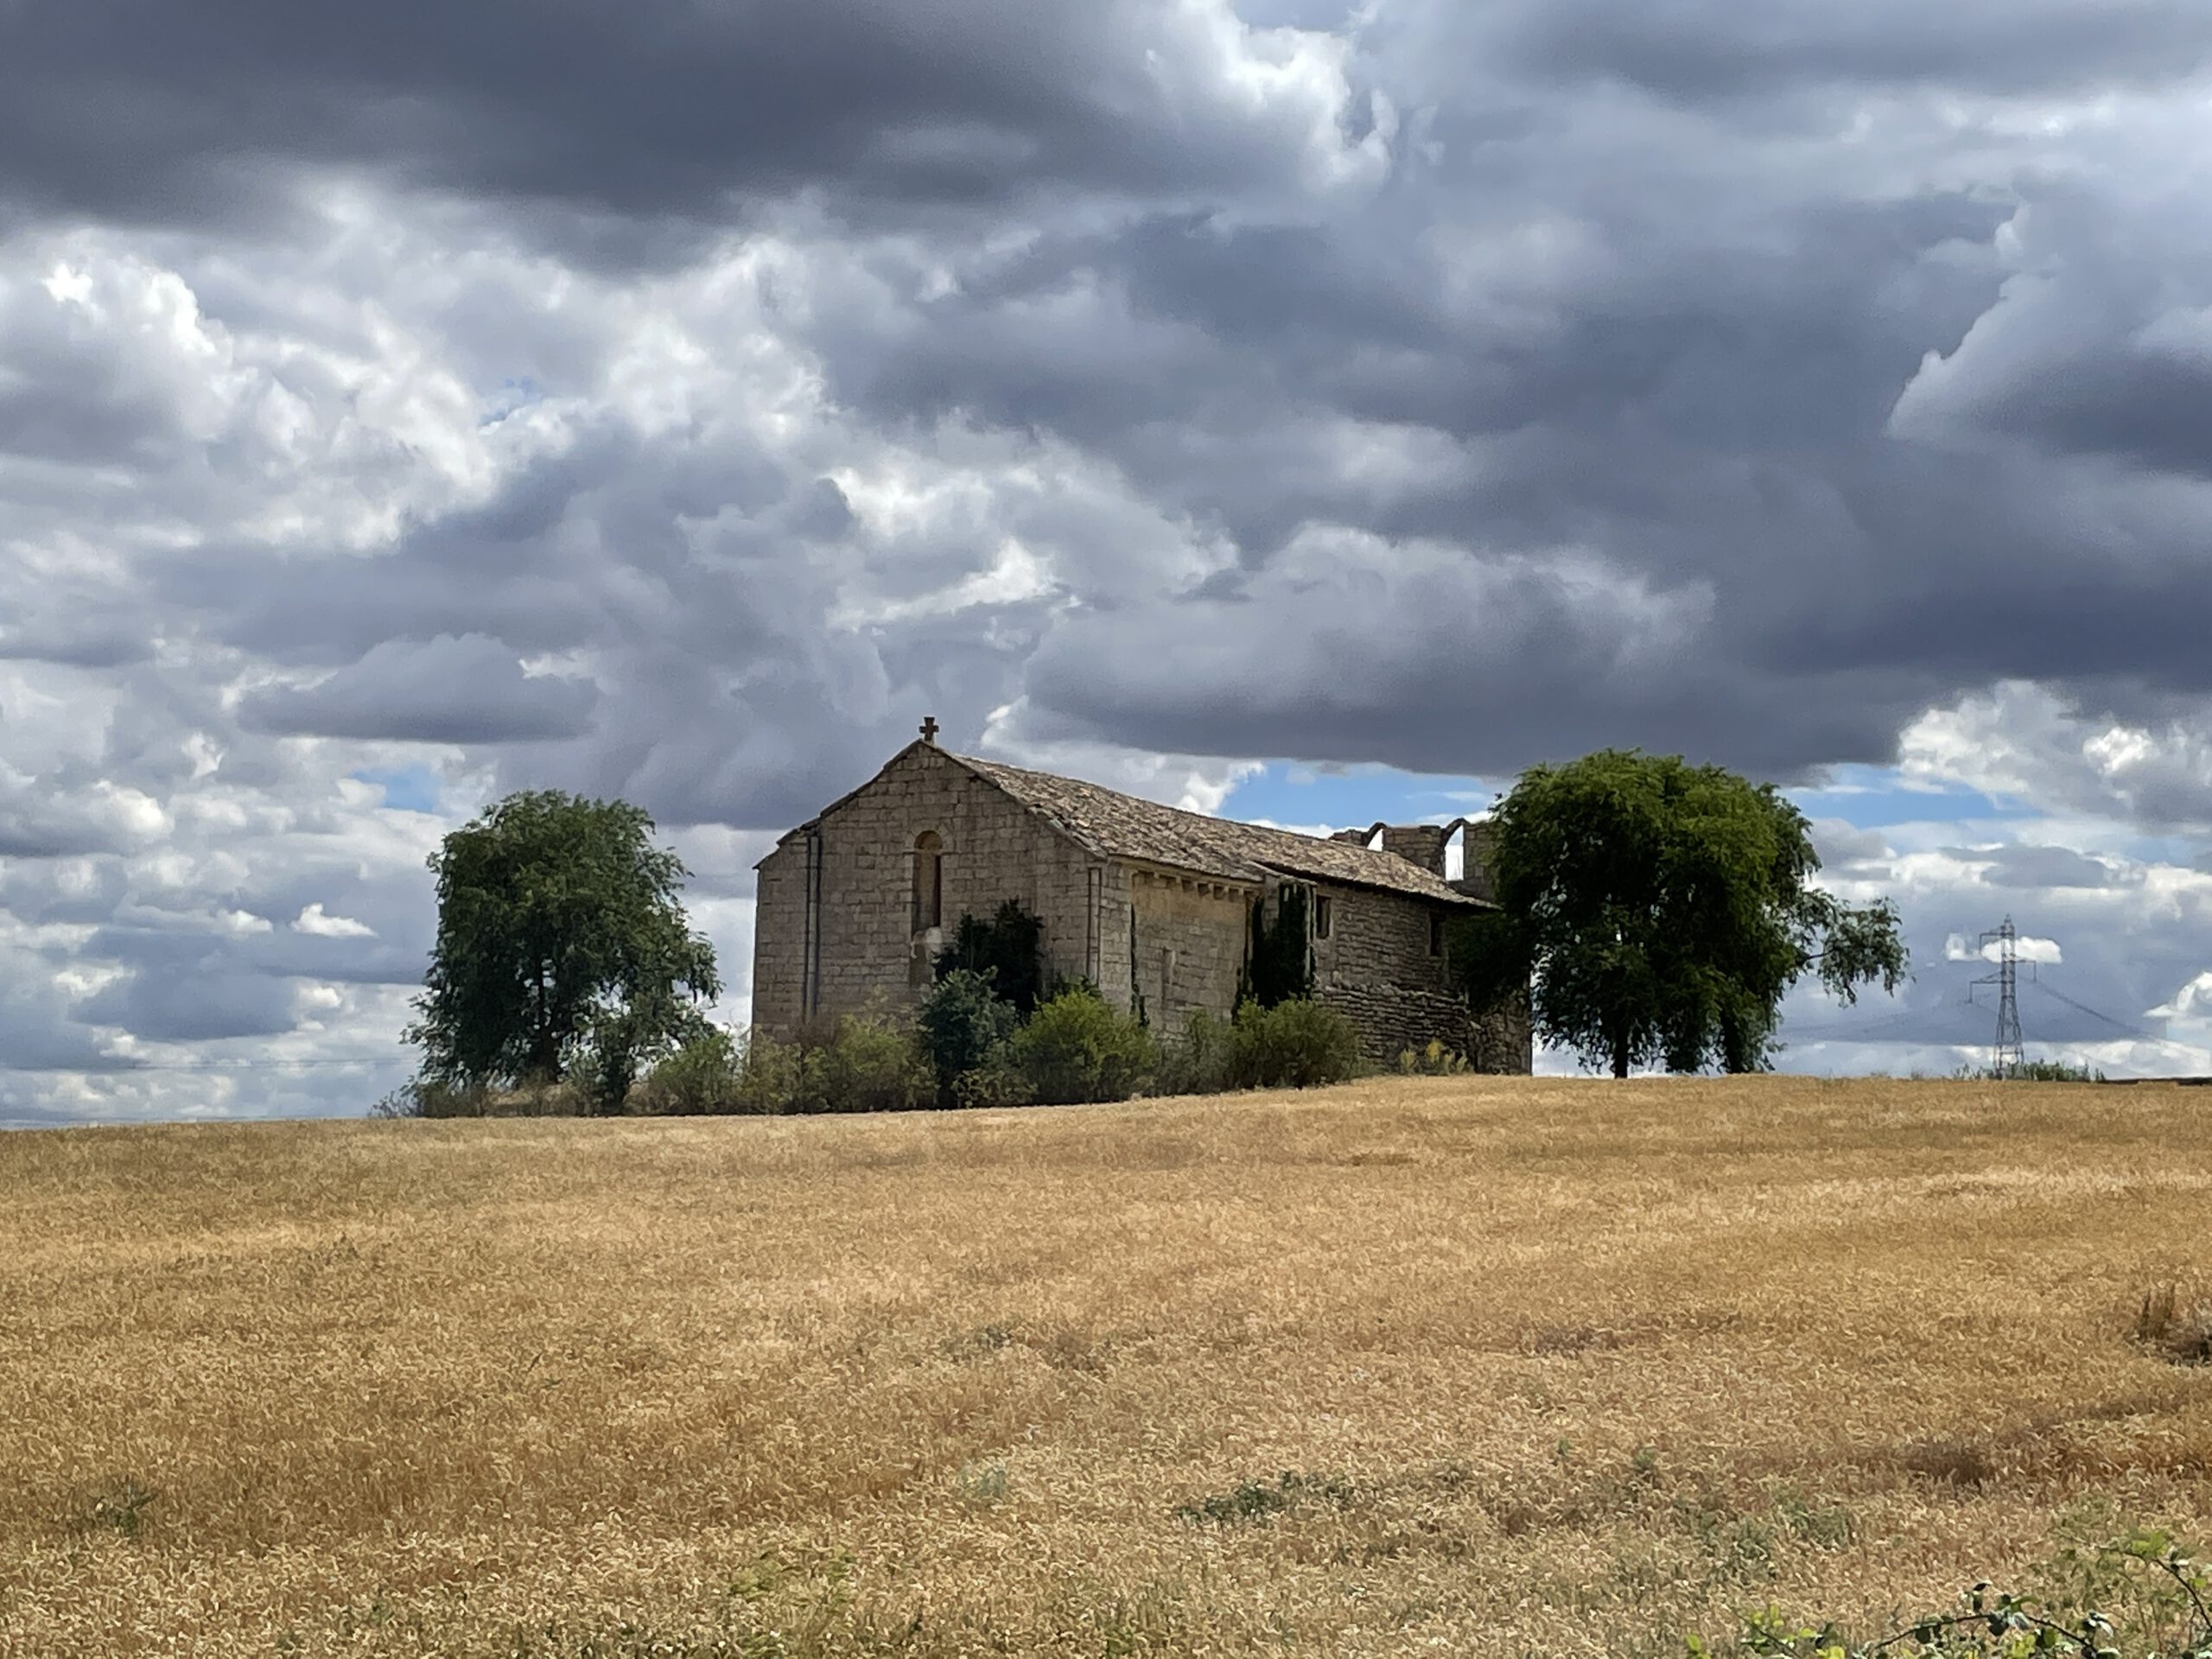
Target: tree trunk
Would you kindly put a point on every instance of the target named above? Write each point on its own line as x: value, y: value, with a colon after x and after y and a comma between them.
x: 1620, y: 1059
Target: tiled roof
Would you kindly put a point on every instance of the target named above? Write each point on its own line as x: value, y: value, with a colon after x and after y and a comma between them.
x: 1113, y: 825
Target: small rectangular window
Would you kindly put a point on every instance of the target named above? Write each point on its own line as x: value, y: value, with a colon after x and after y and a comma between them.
x: 1321, y: 918
x: 1435, y: 932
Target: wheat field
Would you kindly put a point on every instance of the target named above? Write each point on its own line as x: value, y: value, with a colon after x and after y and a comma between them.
x: 1453, y: 1366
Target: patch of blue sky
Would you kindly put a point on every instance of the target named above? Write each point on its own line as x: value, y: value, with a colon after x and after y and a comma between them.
x: 509, y: 396
x: 407, y: 789
x: 1871, y: 798
x: 1344, y: 798
x: 1865, y: 797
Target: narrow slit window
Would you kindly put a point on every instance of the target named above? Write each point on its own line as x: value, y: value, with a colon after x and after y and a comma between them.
x: 929, y: 882
x: 1321, y: 918
x: 1435, y: 932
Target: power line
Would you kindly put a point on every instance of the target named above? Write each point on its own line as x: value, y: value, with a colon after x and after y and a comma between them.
x: 2136, y: 1032
x: 1858, y: 1029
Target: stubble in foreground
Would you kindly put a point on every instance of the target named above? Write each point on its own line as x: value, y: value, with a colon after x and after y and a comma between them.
x: 1469, y: 1366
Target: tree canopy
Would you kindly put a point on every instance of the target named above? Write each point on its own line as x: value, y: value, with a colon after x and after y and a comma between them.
x: 1657, y: 912
x: 562, y: 946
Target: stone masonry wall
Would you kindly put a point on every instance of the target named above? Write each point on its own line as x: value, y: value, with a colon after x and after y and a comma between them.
x: 1504, y: 1040
x: 994, y: 849
x: 778, y: 938
x: 1377, y: 938
x: 1191, y: 935
x: 1376, y: 966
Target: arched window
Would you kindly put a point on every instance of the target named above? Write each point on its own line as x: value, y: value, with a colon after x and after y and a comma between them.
x: 1455, y: 853
x: 929, y: 881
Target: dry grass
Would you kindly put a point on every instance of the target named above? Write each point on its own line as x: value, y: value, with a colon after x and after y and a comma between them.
x: 1462, y: 1366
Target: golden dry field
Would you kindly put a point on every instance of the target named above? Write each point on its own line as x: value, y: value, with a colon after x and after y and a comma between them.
x: 1460, y: 1366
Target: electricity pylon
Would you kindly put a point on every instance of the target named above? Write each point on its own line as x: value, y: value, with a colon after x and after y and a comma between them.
x: 2007, y: 1052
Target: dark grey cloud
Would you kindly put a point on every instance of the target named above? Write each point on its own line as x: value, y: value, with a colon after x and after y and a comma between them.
x: 73, y: 892
x: 2043, y: 867
x: 1841, y: 845
x: 188, y: 1003
x: 620, y: 126
x: 89, y: 641
x: 447, y: 689
x: 1701, y: 50
x: 35, y: 1036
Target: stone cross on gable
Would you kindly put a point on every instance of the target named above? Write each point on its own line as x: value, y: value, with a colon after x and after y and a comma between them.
x: 929, y: 729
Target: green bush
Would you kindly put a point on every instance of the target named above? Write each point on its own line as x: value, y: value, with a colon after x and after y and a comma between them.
x: 866, y: 1062
x: 699, y: 1076
x: 767, y: 1076
x: 1299, y: 1044
x: 2137, y: 1598
x: 721, y: 1072
x: 2054, y: 1071
x: 1201, y: 1061
x: 2026, y: 1072
x: 997, y: 1082
x: 1078, y: 1047
x: 961, y: 1020
x: 421, y: 1099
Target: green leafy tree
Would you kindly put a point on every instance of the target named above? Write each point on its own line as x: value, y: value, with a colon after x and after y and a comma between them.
x: 561, y: 948
x: 1657, y: 913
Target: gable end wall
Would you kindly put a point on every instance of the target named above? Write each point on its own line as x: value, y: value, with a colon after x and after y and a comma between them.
x: 994, y: 849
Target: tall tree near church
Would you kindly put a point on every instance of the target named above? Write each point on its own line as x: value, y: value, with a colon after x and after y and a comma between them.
x: 1657, y: 912
x: 563, y: 949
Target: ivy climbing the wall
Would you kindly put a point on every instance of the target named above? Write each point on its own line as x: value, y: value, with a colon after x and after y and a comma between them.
x: 1281, y: 966
x: 1009, y: 948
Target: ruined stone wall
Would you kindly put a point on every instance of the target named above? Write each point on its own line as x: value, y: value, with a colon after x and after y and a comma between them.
x: 1377, y: 967
x: 1190, y: 941
x: 1417, y: 843
x: 1377, y: 938
x: 1476, y: 880
x: 994, y: 848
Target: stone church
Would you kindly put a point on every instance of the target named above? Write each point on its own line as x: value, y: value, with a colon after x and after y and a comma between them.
x: 1145, y: 901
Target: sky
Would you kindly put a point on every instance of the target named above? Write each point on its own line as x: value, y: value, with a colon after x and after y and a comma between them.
x: 1311, y: 412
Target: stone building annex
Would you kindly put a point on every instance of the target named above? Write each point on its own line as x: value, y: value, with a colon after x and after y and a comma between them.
x: 1143, y: 900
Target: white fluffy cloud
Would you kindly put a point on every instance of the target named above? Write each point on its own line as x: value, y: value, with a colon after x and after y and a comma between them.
x: 2029, y: 743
